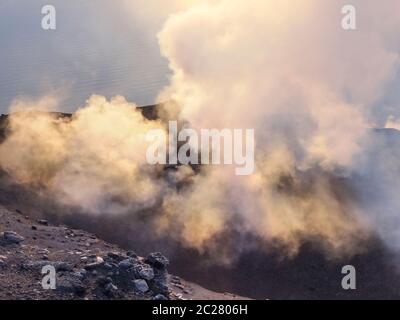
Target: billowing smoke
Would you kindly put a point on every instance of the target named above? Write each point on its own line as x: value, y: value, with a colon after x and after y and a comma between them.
x: 96, y: 160
x: 284, y: 68
x: 287, y: 69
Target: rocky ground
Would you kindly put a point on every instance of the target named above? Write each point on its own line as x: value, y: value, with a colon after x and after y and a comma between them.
x: 87, y: 267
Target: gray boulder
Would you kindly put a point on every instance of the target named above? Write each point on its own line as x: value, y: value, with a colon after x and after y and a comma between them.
x: 125, y: 264
x: 144, y: 272
x: 141, y: 286
x: 11, y: 237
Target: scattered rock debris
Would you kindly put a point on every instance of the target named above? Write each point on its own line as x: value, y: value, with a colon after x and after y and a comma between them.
x: 86, y: 267
x: 43, y: 222
x: 11, y: 237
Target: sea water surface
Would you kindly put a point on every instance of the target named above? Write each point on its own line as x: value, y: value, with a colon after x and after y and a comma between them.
x: 97, y: 48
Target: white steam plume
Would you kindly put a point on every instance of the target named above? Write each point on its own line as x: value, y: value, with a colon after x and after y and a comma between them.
x: 289, y: 70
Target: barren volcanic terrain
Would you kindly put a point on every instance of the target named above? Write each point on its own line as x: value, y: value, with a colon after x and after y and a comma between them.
x: 87, y: 267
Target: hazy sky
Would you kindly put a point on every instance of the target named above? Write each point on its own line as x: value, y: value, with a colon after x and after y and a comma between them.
x: 98, y: 47
x: 103, y: 47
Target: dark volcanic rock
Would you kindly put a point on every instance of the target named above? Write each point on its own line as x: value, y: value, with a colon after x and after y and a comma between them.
x: 126, y: 264
x: 70, y: 284
x: 140, y: 285
x: 159, y: 287
x: 157, y: 260
x: 94, y: 265
x: 116, y: 256
x: 81, y: 274
x: 131, y: 254
x: 111, y: 290
x: 43, y: 222
x: 103, y: 280
x: 11, y: 237
x: 144, y: 271
x: 160, y: 283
